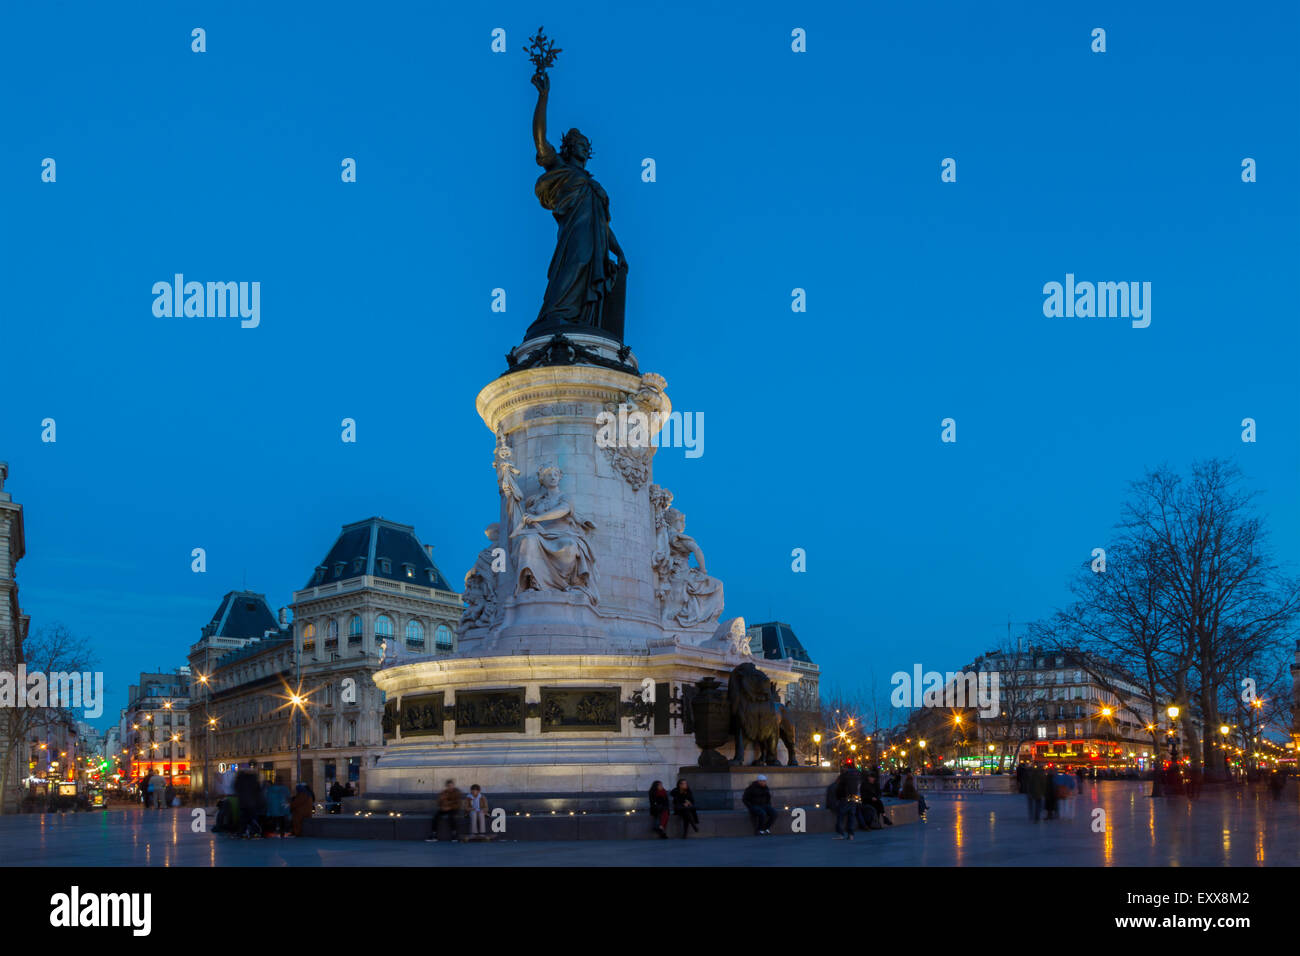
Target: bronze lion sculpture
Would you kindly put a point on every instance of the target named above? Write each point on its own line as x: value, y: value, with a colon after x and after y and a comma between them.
x: 757, y: 715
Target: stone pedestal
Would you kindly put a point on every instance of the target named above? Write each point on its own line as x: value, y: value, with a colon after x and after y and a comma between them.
x: 790, y: 786
x: 574, y: 673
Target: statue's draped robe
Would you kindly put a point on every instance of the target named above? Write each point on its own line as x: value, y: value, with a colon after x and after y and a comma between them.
x: 555, y: 556
x: 581, y: 272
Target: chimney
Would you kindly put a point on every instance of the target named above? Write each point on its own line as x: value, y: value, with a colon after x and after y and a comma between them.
x: 428, y: 549
x: 284, y: 618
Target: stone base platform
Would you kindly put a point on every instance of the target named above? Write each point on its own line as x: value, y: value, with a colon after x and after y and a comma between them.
x: 790, y: 786
x: 632, y: 825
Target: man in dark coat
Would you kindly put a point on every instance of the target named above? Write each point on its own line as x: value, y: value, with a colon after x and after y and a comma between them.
x: 248, y: 791
x: 1035, y: 789
x: 758, y: 801
x: 848, y: 795
x: 684, y: 807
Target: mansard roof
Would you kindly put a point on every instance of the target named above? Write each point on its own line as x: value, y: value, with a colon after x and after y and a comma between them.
x: 242, y: 614
x: 381, y: 549
x: 778, y: 643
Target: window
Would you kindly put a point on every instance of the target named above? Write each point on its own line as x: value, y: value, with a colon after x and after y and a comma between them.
x: 408, y: 570
x: 385, y: 566
x: 415, y: 634
x: 352, y: 733
x: 430, y: 572
x: 354, y: 629
x: 358, y: 564
x: 383, y: 627
x: 325, y: 729
x: 338, y: 568
x: 442, y: 637
x: 309, y: 637
x: 332, y: 631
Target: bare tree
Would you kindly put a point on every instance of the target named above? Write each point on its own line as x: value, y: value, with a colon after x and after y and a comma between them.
x: 48, y: 650
x: 1219, y: 583
x: 1189, y: 597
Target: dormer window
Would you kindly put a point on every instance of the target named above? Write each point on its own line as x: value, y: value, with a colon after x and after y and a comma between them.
x: 385, y: 566
x: 408, y: 570
x: 338, y: 568
x: 430, y: 573
x: 358, y: 564
x: 320, y: 574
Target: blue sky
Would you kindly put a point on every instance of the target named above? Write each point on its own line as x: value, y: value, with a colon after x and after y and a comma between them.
x: 775, y: 170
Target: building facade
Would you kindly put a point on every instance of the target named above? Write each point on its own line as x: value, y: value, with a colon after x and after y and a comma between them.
x: 376, y: 598
x: 1054, y: 706
x: 157, y: 725
x: 299, y: 700
x: 14, y: 758
x: 241, y: 665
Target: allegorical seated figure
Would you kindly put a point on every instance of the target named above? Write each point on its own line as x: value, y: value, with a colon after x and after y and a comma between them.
x: 693, y: 597
x: 551, y: 552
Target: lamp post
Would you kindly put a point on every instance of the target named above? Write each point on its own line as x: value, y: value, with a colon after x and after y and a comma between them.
x: 207, y: 737
x: 817, y: 739
x: 1224, y: 730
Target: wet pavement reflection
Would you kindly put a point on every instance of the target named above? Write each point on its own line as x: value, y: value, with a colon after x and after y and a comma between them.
x: 1110, y: 824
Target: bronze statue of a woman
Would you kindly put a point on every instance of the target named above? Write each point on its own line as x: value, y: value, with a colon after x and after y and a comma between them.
x: 584, y: 288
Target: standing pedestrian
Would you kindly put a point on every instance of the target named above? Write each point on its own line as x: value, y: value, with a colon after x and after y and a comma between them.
x: 301, y: 807
x: 248, y: 791
x: 1036, y: 786
x: 848, y: 794
x: 277, y: 808
x: 1052, y: 794
x: 158, y: 790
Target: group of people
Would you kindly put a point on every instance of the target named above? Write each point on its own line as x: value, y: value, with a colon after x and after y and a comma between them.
x: 682, y: 801
x: 336, y: 794
x: 157, y: 792
x: 456, y: 806
x: 857, y: 799
x: 250, y: 806
x: 1048, y: 791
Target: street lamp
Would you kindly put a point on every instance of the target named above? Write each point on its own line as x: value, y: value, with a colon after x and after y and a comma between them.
x: 817, y: 739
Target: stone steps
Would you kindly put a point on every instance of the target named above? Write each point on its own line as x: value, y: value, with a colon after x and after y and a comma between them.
x: 589, y: 826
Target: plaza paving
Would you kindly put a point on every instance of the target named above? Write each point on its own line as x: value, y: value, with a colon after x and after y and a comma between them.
x: 1227, y: 828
